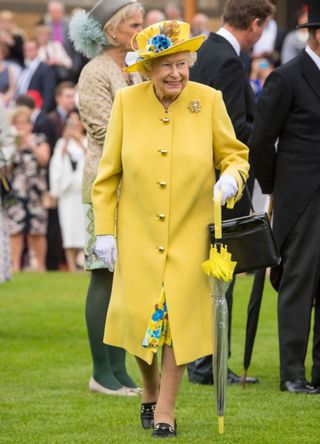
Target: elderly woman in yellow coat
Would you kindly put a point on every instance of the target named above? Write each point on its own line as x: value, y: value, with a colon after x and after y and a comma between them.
x: 152, y: 200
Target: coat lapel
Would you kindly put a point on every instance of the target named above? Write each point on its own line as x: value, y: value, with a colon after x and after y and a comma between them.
x: 311, y: 73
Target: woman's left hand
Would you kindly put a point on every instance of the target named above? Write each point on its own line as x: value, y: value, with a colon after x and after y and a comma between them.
x: 228, y: 186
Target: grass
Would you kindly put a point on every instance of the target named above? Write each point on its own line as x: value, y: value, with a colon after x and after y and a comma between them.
x: 45, y: 367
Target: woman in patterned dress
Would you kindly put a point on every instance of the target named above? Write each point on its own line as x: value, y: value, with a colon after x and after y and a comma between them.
x: 117, y: 22
x: 27, y: 217
x: 6, y: 154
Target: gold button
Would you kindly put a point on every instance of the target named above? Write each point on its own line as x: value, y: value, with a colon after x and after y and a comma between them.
x: 165, y: 120
x: 161, y: 217
x: 162, y: 184
x: 163, y: 152
x: 161, y: 249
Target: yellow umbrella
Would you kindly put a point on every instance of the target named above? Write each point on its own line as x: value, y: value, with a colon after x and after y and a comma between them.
x: 219, y: 268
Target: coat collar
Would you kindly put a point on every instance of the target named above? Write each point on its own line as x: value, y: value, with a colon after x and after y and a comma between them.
x: 311, y: 72
x: 219, y: 38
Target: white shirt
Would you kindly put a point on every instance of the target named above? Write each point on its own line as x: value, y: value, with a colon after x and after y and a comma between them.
x: 231, y: 39
x: 313, y: 55
x: 26, y: 75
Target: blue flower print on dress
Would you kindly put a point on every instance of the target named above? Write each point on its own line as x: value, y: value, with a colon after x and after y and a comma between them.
x: 157, y: 315
x: 158, y: 330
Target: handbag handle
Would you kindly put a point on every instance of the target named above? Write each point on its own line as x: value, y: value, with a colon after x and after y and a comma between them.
x: 247, y: 192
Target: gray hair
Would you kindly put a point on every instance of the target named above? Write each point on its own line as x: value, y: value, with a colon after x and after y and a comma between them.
x: 147, y: 65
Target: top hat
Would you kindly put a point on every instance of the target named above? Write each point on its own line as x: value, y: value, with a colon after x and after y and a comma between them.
x: 313, y: 15
x: 86, y: 28
x: 163, y: 38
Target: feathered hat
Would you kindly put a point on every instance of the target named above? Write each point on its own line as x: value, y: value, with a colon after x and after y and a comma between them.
x: 313, y: 15
x: 163, y: 38
x: 86, y: 28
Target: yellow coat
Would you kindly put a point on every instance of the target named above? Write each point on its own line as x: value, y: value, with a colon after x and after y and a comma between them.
x: 166, y: 164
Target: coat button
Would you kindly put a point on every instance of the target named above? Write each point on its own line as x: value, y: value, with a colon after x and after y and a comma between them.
x: 165, y: 120
x: 163, y: 152
x: 161, y: 217
x: 162, y: 184
x: 161, y: 249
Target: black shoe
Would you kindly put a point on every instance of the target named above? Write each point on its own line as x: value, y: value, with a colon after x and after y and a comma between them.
x: 299, y: 386
x: 163, y: 430
x: 147, y: 414
x: 232, y: 378
x: 316, y: 382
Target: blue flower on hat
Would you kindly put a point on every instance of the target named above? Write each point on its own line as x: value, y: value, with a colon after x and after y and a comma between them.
x: 159, y: 43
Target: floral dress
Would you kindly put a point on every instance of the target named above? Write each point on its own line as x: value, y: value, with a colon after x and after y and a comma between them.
x: 29, y: 182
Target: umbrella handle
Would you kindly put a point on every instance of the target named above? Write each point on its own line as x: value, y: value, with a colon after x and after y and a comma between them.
x: 217, y: 216
x: 220, y: 425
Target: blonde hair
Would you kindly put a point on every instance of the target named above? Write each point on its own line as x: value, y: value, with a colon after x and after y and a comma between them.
x: 119, y: 17
x: 21, y: 111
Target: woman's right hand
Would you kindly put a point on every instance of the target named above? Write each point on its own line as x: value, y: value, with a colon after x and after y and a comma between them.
x: 228, y: 186
x: 106, y: 250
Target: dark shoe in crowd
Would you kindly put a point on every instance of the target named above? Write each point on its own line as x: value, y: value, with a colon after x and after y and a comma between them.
x: 233, y: 378
x: 316, y: 382
x: 164, y: 430
x: 299, y: 386
x: 147, y: 414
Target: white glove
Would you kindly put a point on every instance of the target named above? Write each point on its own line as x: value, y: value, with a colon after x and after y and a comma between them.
x: 228, y: 186
x: 106, y: 250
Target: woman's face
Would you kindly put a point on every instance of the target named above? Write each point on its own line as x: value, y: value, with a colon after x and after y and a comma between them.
x: 169, y: 75
x: 126, y: 30
x: 22, y: 125
x: 74, y: 123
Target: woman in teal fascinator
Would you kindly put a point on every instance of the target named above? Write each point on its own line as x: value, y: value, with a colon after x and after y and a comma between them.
x: 103, y: 34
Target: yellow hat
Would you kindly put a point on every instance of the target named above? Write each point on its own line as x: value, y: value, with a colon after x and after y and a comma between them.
x: 163, y: 38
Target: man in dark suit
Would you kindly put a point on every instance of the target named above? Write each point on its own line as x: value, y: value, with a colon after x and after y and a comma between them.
x: 219, y: 65
x: 65, y: 103
x: 289, y: 111
x: 59, y: 26
x: 36, y: 75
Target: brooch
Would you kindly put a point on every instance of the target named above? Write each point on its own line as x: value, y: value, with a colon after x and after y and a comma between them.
x: 195, y: 106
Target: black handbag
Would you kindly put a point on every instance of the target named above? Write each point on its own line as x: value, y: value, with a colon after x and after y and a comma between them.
x: 249, y: 240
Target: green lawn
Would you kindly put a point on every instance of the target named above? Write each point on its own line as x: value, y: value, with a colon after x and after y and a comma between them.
x: 45, y: 367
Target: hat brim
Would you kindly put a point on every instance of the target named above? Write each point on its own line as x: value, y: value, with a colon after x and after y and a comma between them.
x: 309, y: 25
x: 191, y: 45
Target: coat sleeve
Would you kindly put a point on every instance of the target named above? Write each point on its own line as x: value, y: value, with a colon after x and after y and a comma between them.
x: 272, y: 110
x: 230, y: 155
x: 231, y: 81
x: 104, y: 191
x: 96, y: 99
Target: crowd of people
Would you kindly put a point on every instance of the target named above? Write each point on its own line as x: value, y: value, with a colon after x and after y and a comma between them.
x: 72, y: 132
x: 42, y: 73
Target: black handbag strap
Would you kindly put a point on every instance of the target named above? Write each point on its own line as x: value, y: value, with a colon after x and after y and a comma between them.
x: 247, y: 192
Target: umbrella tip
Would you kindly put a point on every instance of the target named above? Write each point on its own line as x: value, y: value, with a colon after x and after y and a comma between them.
x: 244, y: 378
x: 220, y: 425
